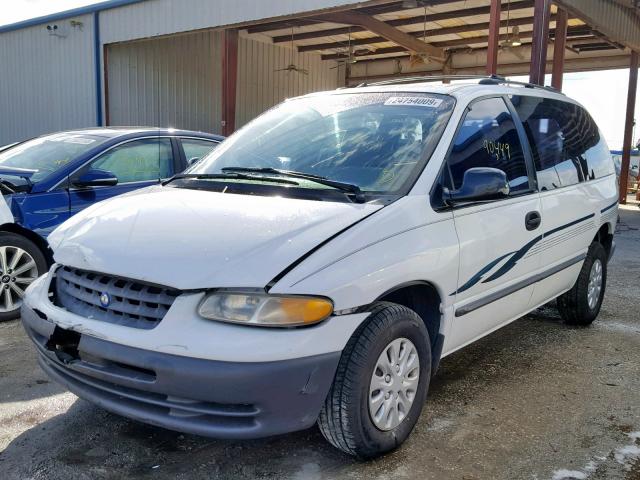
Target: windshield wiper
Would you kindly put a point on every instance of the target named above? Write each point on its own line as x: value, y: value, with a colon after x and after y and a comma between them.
x: 7, y: 187
x: 223, y: 176
x: 345, y: 187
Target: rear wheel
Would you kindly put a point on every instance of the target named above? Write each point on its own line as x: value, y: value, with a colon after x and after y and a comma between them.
x: 380, y: 385
x: 21, y: 262
x: 581, y: 304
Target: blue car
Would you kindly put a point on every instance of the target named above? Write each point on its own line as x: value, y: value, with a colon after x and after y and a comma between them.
x: 46, y: 180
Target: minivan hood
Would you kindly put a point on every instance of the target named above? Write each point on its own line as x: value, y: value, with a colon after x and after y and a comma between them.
x: 192, y: 239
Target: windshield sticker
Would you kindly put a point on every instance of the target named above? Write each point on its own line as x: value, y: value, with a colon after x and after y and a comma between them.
x: 416, y: 101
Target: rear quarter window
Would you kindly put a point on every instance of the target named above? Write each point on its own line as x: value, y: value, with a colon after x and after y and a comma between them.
x: 566, y: 143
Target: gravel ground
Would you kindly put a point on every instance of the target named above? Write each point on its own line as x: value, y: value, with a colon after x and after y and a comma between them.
x: 535, y: 400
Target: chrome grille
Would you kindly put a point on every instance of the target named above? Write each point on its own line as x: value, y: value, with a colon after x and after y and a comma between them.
x: 131, y: 303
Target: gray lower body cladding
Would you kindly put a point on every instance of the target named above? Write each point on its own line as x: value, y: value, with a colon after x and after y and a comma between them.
x: 234, y: 400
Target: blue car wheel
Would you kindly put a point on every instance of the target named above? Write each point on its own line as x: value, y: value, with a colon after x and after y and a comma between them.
x: 21, y: 262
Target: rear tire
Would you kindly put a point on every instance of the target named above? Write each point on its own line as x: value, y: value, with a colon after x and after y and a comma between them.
x: 374, y: 401
x: 21, y: 262
x: 581, y: 304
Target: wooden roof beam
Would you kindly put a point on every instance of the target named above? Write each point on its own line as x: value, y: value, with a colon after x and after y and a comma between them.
x: 400, y: 22
x: 472, y: 27
x: 385, y: 30
x: 370, y: 10
x: 580, y: 30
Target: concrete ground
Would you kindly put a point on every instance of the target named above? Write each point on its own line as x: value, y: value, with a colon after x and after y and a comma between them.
x: 535, y: 400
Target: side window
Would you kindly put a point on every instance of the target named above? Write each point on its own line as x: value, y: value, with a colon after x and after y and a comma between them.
x: 567, y: 146
x: 194, y: 148
x: 599, y: 160
x: 488, y: 138
x: 139, y: 160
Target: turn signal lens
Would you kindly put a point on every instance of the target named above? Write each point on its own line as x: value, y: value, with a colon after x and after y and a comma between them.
x: 264, y: 310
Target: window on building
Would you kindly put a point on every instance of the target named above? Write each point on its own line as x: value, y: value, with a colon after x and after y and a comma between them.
x: 488, y: 138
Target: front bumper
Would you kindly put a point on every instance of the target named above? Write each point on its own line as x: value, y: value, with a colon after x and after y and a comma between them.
x: 221, y: 399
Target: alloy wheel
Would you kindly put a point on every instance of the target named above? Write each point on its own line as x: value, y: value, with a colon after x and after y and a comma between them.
x: 595, y: 284
x: 18, y: 270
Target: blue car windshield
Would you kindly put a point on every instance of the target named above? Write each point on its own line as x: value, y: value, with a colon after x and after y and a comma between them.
x: 379, y: 142
x: 49, y: 153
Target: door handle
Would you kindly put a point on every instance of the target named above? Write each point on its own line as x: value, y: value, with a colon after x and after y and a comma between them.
x: 532, y: 220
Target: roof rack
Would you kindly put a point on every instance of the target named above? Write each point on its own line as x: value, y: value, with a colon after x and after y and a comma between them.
x: 482, y: 80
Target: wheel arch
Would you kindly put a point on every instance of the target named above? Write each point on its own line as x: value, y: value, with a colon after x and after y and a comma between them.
x: 423, y: 298
x: 604, y: 237
x: 40, y: 242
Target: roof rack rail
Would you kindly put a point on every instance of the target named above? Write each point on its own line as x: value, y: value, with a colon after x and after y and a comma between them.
x: 424, y: 78
x: 497, y: 79
x: 482, y: 80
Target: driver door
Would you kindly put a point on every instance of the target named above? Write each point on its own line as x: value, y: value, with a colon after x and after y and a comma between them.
x: 497, y: 257
x: 137, y: 164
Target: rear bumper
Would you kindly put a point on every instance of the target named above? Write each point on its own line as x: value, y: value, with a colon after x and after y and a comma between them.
x: 236, y: 400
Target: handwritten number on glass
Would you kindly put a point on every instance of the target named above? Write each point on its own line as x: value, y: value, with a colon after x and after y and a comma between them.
x: 499, y: 150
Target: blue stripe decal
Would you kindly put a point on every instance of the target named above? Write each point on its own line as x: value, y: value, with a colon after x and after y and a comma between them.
x: 571, y: 224
x: 509, y: 264
x: 609, y: 207
x: 515, y: 257
x: 478, y: 276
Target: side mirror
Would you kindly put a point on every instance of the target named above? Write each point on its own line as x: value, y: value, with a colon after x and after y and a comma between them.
x: 478, y: 184
x: 192, y: 161
x: 95, y: 178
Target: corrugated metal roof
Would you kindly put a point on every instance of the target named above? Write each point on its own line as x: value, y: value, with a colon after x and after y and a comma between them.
x: 618, y: 22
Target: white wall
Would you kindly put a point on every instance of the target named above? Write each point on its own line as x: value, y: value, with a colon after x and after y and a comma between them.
x: 260, y: 86
x: 168, y: 82
x: 47, y: 83
x: 161, y: 17
x: 176, y: 81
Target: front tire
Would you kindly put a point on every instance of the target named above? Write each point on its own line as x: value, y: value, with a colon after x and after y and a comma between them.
x: 581, y: 304
x: 21, y: 262
x: 380, y: 385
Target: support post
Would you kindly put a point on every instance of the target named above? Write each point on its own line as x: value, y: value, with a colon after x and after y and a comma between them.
x: 447, y: 68
x: 229, y: 80
x: 559, y: 45
x: 494, y: 37
x: 105, y: 57
x: 628, y: 127
x: 541, y: 14
x: 97, y: 65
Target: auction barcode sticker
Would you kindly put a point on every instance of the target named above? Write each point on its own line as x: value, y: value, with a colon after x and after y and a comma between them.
x: 417, y: 101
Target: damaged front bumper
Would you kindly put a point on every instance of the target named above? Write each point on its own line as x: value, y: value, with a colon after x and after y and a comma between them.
x: 218, y: 396
x: 204, y: 397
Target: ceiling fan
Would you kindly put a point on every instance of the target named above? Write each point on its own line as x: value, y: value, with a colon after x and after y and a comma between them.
x: 292, y: 67
x: 350, y: 59
x: 416, y: 58
x: 513, y: 37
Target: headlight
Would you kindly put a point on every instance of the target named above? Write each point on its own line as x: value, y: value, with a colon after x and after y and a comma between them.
x: 264, y: 310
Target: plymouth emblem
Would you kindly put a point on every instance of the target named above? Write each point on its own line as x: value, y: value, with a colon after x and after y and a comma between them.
x: 105, y: 299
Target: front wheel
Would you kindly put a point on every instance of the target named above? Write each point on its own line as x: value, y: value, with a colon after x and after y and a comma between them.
x: 581, y: 304
x: 21, y: 262
x: 380, y: 385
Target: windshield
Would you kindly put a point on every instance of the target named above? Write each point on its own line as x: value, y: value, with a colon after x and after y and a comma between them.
x: 375, y: 142
x: 49, y: 153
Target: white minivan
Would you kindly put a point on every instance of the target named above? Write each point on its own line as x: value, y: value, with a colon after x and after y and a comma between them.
x: 319, y: 264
